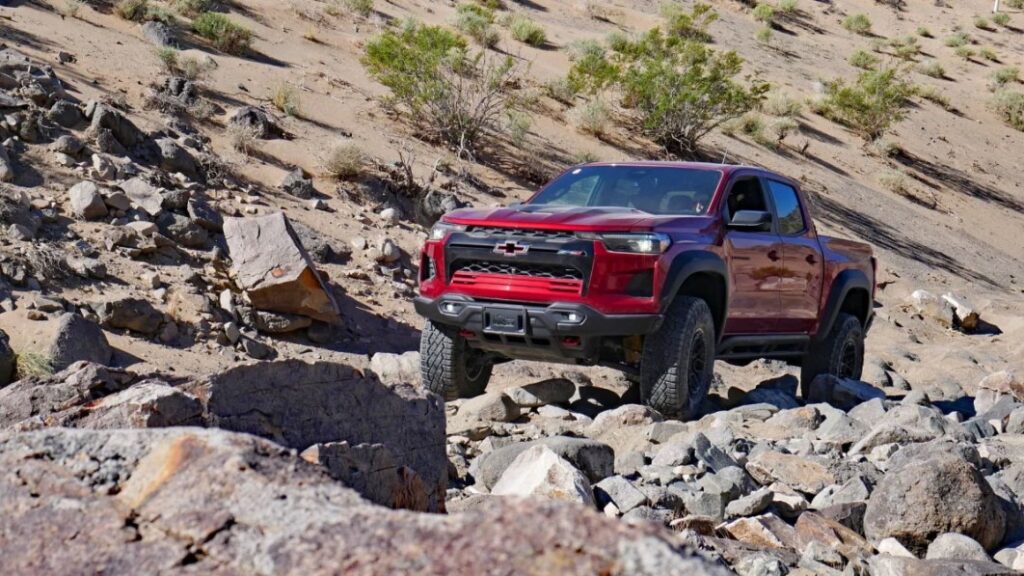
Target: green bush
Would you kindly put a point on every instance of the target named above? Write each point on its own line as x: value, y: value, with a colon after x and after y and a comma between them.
x: 593, y: 117
x: 905, y: 47
x: 864, y: 59
x: 591, y: 68
x: 788, y: 6
x: 764, y: 13
x: 527, y: 31
x: 933, y: 69
x: 191, y: 8
x: 957, y: 40
x: 932, y: 94
x: 1001, y: 19
x: 1010, y: 107
x: 224, y: 34
x: 982, y: 23
x: 965, y: 52
x: 1006, y: 75
x: 455, y: 97
x: 476, y: 21
x: 134, y: 10
x: 690, y: 25
x: 359, y: 7
x: 989, y: 54
x: 870, y: 105
x: 778, y: 104
x: 858, y: 24
x: 764, y: 35
x: 1015, y: 4
x: 924, y: 32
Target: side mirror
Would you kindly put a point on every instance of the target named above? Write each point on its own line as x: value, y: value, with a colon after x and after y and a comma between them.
x: 751, y: 221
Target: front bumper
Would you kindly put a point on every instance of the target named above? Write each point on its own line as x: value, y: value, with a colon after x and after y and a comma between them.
x: 555, y: 332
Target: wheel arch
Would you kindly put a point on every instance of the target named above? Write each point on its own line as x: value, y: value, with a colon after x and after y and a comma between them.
x: 850, y: 293
x: 702, y: 275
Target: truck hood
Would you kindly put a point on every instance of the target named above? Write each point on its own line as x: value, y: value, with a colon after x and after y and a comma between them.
x: 548, y: 217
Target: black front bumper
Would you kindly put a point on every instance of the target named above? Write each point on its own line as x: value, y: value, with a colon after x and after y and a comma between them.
x: 557, y: 332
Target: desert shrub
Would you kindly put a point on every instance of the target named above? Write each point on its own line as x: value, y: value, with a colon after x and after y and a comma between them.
x: 591, y: 68
x: 788, y: 6
x: 957, y: 40
x: 345, y: 161
x: 224, y: 34
x: 863, y: 59
x: 764, y: 13
x: 285, y: 98
x: 982, y: 23
x: 776, y: 131
x: 924, y: 32
x: 1015, y: 4
x: 1009, y: 105
x: 70, y: 8
x: 454, y: 96
x: 518, y: 126
x: 858, y: 24
x: 560, y: 89
x: 887, y: 148
x: 359, y: 7
x: 168, y: 59
x: 592, y: 117
x: 191, y: 8
x: 933, y: 94
x: 932, y: 68
x: 905, y: 47
x: 778, y: 104
x: 32, y: 365
x: 688, y: 24
x: 477, y: 22
x: 134, y: 10
x: 618, y: 41
x: 583, y: 157
x: 194, y: 68
x: 588, y: 48
x: 870, y: 105
x: 764, y: 35
x: 527, y: 31
x: 965, y: 52
x: 1006, y: 75
x: 894, y: 181
x: 989, y: 54
x: 244, y: 139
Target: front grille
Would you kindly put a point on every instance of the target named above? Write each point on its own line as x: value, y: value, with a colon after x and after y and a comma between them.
x: 551, y: 272
x: 518, y: 234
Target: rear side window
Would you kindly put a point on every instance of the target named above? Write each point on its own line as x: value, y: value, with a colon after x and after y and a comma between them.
x: 787, y: 207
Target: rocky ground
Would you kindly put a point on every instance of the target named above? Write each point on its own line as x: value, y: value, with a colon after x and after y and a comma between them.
x: 206, y: 363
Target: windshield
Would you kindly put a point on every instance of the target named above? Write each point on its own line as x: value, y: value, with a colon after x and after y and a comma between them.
x: 655, y: 190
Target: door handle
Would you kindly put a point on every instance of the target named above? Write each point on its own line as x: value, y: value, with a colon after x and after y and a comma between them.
x: 811, y: 259
x: 774, y: 256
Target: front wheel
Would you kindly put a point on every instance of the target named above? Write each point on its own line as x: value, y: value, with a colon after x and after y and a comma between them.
x: 840, y: 353
x: 678, y: 361
x: 449, y: 366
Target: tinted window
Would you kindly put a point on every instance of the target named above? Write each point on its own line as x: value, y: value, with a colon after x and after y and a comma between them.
x: 746, y: 194
x: 787, y: 206
x: 655, y: 190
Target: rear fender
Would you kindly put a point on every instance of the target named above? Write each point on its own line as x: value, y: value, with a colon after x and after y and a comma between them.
x: 844, y: 283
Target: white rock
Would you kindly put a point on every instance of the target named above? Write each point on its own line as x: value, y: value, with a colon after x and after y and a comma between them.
x: 966, y: 316
x: 539, y: 471
x: 953, y: 546
x: 892, y: 547
x: 931, y: 306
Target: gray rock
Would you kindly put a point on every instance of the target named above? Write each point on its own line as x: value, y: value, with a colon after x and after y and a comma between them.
x: 373, y: 471
x: 78, y: 339
x: 147, y: 404
x: 396, y: 368
x: 296, y: 184
x: 593, y: 458
x: 539, y: 471
x: 251, y: 504
x: 913, y: 504
x: 751, y: 504
x: 553, y: 391
x: 40, y: 397
x: 7, y: 359
x: 278, y: 322
x: 159, y: 34
x: 132, y: 314
x: 489, y: 407
x: 67, y: 144
x: 175, y: 199
x: 843, y: 394
x: 256, y: 349
x: 270, y: 265
x: 802, y: 474
x: 674, y: 454
x: 20, y: 232
x: 86, y: 201
x: 256, y: 120
x: 7, y: 173
x: 883, y: 565
x: 711, y: 455
x: 175, y: 158
x: 204, y: 214
x: 104, y: 117
x: 66, y: 114
x: 619, y: 491
x: 951, y: 546
x: 182, y: 230
x: 853, y: 490
x: 144, y: 195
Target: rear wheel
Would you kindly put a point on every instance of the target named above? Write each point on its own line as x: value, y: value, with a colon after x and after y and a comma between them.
x: 678, y: 361
x: 840, y: 354
x: 450, y: 368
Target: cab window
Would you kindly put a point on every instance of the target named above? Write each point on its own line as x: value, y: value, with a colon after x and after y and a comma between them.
x: 787, y: 207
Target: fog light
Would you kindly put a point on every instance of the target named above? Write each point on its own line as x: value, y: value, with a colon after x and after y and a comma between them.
x: 449, y: 308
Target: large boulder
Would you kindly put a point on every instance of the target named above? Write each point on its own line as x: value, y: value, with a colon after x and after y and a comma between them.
x: 271, y: 266
x: 595, y: 459
x: 298, y: 405
x: 147, y: 404
x: 937, y: 492
x: 374, y: 472
x: 211, y: 501
x: 40, y: 397
x: 540, y: 472
x: 78, y: 339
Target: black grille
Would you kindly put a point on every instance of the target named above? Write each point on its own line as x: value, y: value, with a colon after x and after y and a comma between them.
x: 518, y: 234
x: 553, y: 272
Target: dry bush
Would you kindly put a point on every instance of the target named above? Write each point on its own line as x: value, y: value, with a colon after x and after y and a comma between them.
x: 1010, y: 107
x: 779, y: 104
x: 592, y: 117
x: 346, y: 161
x: 224, y: 34
x: 858, y: 24
x: 527, y: 31
x: 895, y: 181
x: 285, y: 98
x: 244, y: 139
x: 70, y: 8
x: 29, y: 364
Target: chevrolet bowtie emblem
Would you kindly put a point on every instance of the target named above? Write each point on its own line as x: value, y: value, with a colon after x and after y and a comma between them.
x: 511, y: 249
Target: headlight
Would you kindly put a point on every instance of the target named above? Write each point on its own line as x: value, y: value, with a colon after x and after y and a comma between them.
x: 441, y: 229
x: 640, y: 243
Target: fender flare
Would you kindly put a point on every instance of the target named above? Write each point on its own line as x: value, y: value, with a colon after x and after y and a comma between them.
x: 685, y: 265
x: 847, y: 281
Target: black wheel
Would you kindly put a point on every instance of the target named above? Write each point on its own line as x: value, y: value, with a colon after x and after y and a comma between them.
x: 449, y: 366
x: 840, y: 354
x: 678, y: 360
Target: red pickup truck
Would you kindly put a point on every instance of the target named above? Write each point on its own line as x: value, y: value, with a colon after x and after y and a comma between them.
x: 654, y: 268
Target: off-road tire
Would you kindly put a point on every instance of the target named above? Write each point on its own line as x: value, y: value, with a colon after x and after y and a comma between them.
x: 840, y: 354
x: 450, y: 368
x: 678, y: 361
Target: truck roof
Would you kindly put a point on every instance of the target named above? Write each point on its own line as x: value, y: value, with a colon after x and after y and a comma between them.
x: 726, y: 168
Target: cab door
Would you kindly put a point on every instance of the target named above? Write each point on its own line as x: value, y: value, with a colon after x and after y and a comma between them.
x: 800, y: 282
x: 755, y: 257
